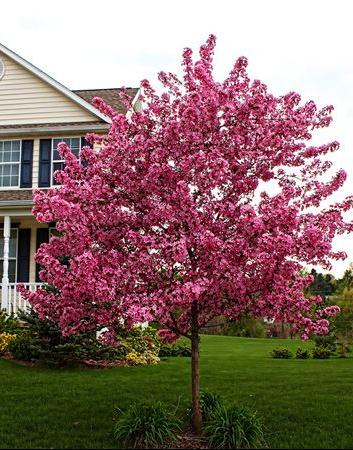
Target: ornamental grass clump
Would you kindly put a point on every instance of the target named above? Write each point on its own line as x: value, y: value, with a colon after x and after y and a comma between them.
x: 232, y: 426
x: 146, y: 425
x: 209, y: 402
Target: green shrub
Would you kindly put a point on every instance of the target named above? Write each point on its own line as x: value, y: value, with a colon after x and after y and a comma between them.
x: 328, y: 341
x: 141, y: 346
x: 343, y: 349
x: 9, y: 323
x: 179, y: 348
x: 246, y: 327
x: 281, y: 353
x: 146, y: 425
x: 321, y: 353
x: 24, y: 348
x: 302, y: 353
x: 142, y: 339
x: 46, y: 344
x: 233, y: 426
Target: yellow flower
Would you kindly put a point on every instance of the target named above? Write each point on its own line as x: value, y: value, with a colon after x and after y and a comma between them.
x: 5, y: 339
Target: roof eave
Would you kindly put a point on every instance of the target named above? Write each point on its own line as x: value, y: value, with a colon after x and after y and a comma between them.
x: 33, y: 131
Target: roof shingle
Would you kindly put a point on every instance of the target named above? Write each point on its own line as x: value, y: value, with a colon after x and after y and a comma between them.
x: 110, y: 96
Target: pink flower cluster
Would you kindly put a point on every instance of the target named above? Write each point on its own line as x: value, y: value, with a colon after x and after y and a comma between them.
x: 166, y: 214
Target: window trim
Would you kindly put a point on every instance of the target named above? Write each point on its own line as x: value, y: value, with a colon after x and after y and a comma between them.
x: 6, y: 188
x: 3, y: 68
x: 12, y: 258
x: 52, y: 184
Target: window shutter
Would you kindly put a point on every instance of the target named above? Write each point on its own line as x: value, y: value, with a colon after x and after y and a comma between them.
x: 23, y: 254
x: 85, y: 143
x: 42, y: 238
x: 44, y: 163
x: 26, y: 164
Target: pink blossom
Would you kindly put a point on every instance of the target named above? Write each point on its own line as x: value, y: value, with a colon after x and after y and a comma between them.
x: 166, y: 216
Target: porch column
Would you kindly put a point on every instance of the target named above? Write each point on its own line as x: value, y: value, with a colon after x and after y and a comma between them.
x: 5, y: 273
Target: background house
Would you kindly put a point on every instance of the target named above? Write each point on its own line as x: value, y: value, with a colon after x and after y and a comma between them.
x: 36, y: 113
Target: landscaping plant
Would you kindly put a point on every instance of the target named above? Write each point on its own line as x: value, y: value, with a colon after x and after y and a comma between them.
x: 302, y: 353
x: 321, y: 353
x: 281, y: 353
x: 42, y: 340
x: 178, y: 348
x: 5, y: 339
x: 232, y: 426
x: 209, y: 402
x: 343, y: 348
x: 146, y: 425
x: 9, y: 323
x: 205, y: 202
x: 328, y: 342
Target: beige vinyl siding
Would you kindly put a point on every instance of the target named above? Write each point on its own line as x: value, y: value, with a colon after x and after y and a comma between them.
x: 26, y: 99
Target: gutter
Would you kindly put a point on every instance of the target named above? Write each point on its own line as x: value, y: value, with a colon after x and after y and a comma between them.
x: 15, y: 203
x: 30, y: 131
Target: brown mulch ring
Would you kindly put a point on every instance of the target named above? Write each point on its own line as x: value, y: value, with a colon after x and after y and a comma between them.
x: 9, y: 357
x: 90, y: 363
x: 103, y: 364
x: 189, y: 440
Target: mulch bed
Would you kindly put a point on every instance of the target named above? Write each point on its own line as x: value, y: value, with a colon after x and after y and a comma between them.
x: 9, y: 357
x: 103, y: 364
x: 189, y: 440
x: 90, y: 363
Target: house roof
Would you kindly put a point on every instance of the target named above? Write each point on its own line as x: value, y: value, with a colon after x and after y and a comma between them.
x: 83, y: 97
x: 110, y: 96
x: 55, y: 84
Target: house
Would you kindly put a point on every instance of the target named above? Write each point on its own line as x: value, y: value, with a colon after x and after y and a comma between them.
x: 36, y: 113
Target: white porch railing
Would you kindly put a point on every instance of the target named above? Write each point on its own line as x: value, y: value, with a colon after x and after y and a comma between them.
x: 15, y: 300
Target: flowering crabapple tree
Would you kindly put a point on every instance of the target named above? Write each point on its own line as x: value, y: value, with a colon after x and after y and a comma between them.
x: 206, y: 202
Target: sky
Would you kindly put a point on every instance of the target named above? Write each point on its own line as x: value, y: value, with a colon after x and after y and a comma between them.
x: 305, y: 46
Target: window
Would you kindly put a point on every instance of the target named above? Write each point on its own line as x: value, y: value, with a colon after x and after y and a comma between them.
x: 12, y: 255
x: 57, y: 162
x: 10, y: 157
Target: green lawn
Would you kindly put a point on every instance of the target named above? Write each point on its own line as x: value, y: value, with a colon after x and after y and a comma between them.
x: 305, y: 404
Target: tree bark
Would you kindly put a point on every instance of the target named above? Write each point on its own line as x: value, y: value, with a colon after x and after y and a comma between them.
x: 195, y: 370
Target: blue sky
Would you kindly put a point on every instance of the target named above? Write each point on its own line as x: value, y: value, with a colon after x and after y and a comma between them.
x: 302, y: 45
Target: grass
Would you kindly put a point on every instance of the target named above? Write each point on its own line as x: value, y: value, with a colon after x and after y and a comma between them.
x: 304, y: 403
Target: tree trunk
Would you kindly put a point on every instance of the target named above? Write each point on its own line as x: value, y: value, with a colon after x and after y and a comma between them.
x: 195, y: 370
